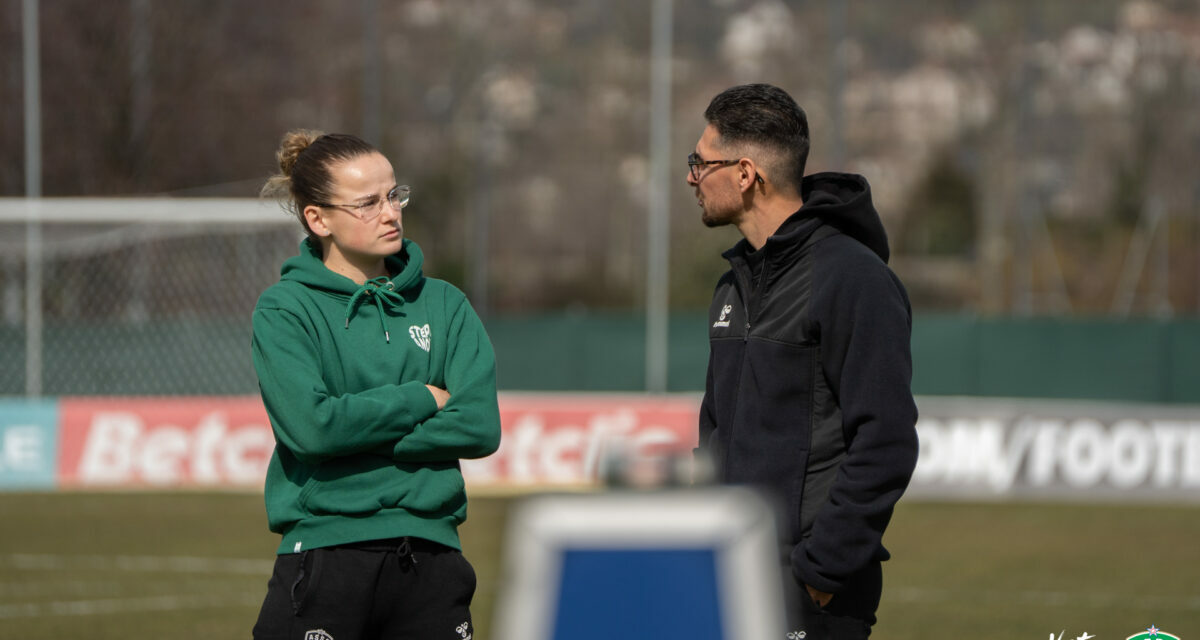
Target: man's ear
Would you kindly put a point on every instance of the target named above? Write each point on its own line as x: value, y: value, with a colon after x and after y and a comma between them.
x: 316, y: 221
x: 747, y: 174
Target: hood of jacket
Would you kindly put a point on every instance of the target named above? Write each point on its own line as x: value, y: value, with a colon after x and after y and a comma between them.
x: 385, y: 291
x: 308, y: 269
x: 843, y: 201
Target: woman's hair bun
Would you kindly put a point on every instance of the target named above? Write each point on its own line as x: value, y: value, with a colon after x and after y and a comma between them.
x: 293, y: 144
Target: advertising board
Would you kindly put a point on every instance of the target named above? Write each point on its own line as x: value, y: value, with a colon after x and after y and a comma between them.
x: 164, y: 442
x: 970, y: 448
x: 28, y: 444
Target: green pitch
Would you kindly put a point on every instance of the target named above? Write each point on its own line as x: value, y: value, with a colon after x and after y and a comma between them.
x: 195, y: 565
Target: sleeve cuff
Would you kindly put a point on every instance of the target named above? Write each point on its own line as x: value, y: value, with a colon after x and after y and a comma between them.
x: 804, y: 572
x: 420, y: 400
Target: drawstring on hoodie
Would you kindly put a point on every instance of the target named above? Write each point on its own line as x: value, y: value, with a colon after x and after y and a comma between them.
x: 376, y: 289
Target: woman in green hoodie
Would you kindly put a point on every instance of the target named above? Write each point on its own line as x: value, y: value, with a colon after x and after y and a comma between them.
x: 377, y: 381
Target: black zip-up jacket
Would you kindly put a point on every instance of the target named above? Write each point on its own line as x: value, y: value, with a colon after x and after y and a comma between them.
x: 809, y: 379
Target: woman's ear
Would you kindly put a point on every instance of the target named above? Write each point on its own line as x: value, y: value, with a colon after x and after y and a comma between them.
x: 316, y: 221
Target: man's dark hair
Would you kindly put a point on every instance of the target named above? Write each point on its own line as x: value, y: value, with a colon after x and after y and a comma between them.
x: 766, y: 116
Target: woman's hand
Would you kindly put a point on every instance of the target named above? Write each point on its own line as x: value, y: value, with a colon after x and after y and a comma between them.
x: 440, y: 395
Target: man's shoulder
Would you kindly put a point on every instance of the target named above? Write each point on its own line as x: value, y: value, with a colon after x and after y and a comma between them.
x: 844, y: 270
x: 838, y: 257
x: 833, y: 244
x: 724, y: 290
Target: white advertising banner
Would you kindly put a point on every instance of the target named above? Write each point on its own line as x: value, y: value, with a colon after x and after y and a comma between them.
x: 981, y: 448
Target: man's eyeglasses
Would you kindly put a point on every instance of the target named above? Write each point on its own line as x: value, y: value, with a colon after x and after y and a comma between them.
x: 397, y: 199
x: 695, y: 163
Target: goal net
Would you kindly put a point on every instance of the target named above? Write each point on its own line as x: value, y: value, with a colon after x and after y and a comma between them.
x: 134, y: 296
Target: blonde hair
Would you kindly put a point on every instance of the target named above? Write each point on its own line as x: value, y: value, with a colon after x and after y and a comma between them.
x: 305, y: 157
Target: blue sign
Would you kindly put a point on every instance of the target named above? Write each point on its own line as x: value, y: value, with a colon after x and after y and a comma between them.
x: 633, y: 593
x: 28, y: 444
x: 701, y: 564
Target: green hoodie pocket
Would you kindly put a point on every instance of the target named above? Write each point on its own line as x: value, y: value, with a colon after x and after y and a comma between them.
x: 346, y: 486
x: 362, y: 485
x: 436, y: 488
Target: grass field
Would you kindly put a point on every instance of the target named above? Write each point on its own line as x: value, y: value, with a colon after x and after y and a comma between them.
x: 193, y: 565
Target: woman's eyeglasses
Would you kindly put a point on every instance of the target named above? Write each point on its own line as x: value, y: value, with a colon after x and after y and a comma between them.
x: 397, y: 199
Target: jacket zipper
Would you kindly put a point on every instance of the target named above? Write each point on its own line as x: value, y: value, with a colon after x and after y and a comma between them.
x: 750, y: 295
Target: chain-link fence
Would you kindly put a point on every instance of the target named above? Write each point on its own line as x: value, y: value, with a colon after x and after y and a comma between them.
x: 155, y: 300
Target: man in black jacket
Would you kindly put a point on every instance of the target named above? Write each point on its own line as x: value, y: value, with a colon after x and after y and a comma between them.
x: 808, y: 392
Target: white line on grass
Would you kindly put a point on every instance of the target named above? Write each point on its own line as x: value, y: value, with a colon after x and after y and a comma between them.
x: 922, y: 595
x: 124, y: 605
x: 171, y: 564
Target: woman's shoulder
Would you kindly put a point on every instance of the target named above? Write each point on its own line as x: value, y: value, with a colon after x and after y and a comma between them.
x: 442, y: 289
x: 285, y: 294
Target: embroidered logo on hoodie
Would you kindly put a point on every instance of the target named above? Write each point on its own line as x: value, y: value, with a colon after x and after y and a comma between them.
x: 420, y: 335
x: 723, y: 320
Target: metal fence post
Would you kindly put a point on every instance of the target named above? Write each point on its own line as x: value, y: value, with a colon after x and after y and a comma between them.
x: 658, y: 222
x: 33, y: 191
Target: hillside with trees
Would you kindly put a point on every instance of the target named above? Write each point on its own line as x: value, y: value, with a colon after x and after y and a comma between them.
x: 1028, y: 157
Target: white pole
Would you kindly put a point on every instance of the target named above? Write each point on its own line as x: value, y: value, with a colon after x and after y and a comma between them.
x: 658, y: 222
x: 372, y: 77
x: 33, y: 190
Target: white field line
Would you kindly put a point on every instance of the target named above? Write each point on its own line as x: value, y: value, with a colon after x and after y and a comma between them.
x: 920, y: 595
x: 128, y: 564
x: 167, y: 564
x: 125, y: 605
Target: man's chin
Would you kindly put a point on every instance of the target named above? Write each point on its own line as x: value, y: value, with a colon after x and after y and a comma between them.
x: 710, y: 221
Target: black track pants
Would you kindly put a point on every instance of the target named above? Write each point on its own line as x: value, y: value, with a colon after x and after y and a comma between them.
x: 380, y: 590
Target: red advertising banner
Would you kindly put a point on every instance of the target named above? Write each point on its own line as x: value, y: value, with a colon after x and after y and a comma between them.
x: 969, y: 447
x: 226, y: 442
x: 565, y: 439
x: 163, y: 442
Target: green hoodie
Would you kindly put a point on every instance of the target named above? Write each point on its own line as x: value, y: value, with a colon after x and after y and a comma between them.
x: 362, y: 451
